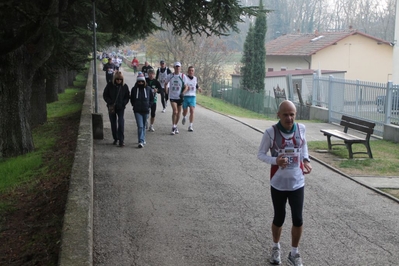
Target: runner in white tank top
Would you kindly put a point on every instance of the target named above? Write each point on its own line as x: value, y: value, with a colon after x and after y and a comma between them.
x: 289, y: 161
x: 190, y: 97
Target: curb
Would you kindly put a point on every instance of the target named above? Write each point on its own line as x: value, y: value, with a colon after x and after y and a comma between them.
x: 76, y: 246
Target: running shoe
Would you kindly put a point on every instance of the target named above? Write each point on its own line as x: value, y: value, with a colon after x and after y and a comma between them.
x: 190, y: 128
x: 152, y: 128
x: 275, y: 258
x: 173, y: 130
x: 295, y: 260
x: 176, y: 131
x: 164, y: 110
x: 141, y: 145
x: 183, y: 121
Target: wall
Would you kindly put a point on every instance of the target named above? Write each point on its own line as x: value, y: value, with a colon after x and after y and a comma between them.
x: 359, y: 56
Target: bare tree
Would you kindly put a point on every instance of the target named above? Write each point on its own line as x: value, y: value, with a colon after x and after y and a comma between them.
x: 205, y: 54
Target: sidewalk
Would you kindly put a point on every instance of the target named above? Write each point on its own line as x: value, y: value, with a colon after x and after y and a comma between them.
x: 313, y: 134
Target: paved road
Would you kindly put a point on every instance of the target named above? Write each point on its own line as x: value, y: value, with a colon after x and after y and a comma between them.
x: 202, y: 198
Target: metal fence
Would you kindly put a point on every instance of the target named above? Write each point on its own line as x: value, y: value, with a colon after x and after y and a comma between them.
x: 257, y: 102
x: 375, y: 102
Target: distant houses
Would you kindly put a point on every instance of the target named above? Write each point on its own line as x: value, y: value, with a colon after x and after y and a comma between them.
x: 361, y: 56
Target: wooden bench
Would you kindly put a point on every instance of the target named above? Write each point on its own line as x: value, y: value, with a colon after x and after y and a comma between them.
x: 356, y: 124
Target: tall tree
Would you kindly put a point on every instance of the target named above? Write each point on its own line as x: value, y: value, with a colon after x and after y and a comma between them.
x: 247, y: 60
x: 259, y: 61
x: 28, y: 37
x: 253, y: 68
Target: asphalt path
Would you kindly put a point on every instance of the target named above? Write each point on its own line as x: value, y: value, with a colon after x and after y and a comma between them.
x: 203, y: 198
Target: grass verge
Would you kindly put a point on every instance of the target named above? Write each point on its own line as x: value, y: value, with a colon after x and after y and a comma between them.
x: 34, y: 187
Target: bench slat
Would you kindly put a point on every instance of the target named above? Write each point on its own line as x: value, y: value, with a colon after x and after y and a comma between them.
x: 341, y: 135
x: 360, y: 128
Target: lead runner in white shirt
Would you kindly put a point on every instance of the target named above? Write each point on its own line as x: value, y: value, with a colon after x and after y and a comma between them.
x: 175, y: 86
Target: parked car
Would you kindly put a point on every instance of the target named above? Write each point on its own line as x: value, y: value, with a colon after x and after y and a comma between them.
x: 380, y: 102
x: 223, y: 90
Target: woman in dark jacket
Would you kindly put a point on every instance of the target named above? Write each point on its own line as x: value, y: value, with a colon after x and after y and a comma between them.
x: 141, y: 96
x: 116, y: 94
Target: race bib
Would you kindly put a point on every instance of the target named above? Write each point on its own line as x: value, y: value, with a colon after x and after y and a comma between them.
x: 293, y: 156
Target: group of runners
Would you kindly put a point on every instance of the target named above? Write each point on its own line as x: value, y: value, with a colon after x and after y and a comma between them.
x: 174, y: 86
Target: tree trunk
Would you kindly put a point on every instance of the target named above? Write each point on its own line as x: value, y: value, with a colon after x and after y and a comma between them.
x: 62, y: 79
x: 15, y: 91
x: 71, y: 77
x: 38, y: 99
x: 52, y: 88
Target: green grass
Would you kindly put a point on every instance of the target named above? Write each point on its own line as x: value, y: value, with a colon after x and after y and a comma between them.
x: 23, y: 169
x: 385, y: 160
x: 226, y: 108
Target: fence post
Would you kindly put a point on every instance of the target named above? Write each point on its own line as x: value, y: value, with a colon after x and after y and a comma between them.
x: 388, y: 102
x: 330, y: 96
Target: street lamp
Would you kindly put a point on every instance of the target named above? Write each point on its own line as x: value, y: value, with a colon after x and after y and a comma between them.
x: 97, y: 119
x: 94, y: 59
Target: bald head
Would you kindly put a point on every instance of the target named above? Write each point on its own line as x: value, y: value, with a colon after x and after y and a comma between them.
x: 286, y: 104
x: 286, y: 113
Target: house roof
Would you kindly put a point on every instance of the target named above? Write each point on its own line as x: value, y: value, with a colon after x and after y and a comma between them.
x: 306, y: 44
x: 296, y: 72
x: 299, y: 72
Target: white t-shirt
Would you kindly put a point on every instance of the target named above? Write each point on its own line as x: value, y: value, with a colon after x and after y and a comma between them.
x: 175, y: 85
x: 192, y: 86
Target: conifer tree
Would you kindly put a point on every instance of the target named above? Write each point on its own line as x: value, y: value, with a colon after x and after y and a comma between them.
x: 247, y: 60
x: 259, y: 60
x: 253, y: 70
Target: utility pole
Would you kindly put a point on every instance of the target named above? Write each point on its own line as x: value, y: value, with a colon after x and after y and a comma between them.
x: 95, y: 58
x: 97, y: 119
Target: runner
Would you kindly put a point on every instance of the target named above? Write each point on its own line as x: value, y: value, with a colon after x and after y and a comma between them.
x: 162, y: 74
x: 190, y: 97
x: 175, y: 86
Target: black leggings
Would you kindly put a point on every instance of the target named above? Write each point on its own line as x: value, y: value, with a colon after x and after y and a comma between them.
x: 295, y: 200
x: 164, y: 98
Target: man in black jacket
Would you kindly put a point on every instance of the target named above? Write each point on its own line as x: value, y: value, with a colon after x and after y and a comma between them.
x: 109, y: 69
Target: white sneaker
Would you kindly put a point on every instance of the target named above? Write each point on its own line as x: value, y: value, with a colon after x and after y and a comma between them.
x: 183, y: 121
x: 275, y: 257
x: 190, y: 128
x: 295, y: 260
x: 173, y: 131
x: 164, y: 110
x: 152, y: 128
x: 141, y: 145
x: 176, y: 131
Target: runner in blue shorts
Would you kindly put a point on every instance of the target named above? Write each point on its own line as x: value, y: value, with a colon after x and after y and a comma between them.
x: 190, y: 97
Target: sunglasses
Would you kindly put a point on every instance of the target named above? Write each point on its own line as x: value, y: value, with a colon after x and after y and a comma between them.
x: 140, y: 82
x: 118, y: 79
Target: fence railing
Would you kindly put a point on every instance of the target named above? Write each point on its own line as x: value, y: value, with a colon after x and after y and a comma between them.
x: 374, y: 102
x: 257, y: 102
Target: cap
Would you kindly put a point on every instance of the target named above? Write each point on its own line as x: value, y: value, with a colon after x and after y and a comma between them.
x: 140, y: 76
x: 177, y: 64
x: 162, y: 62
